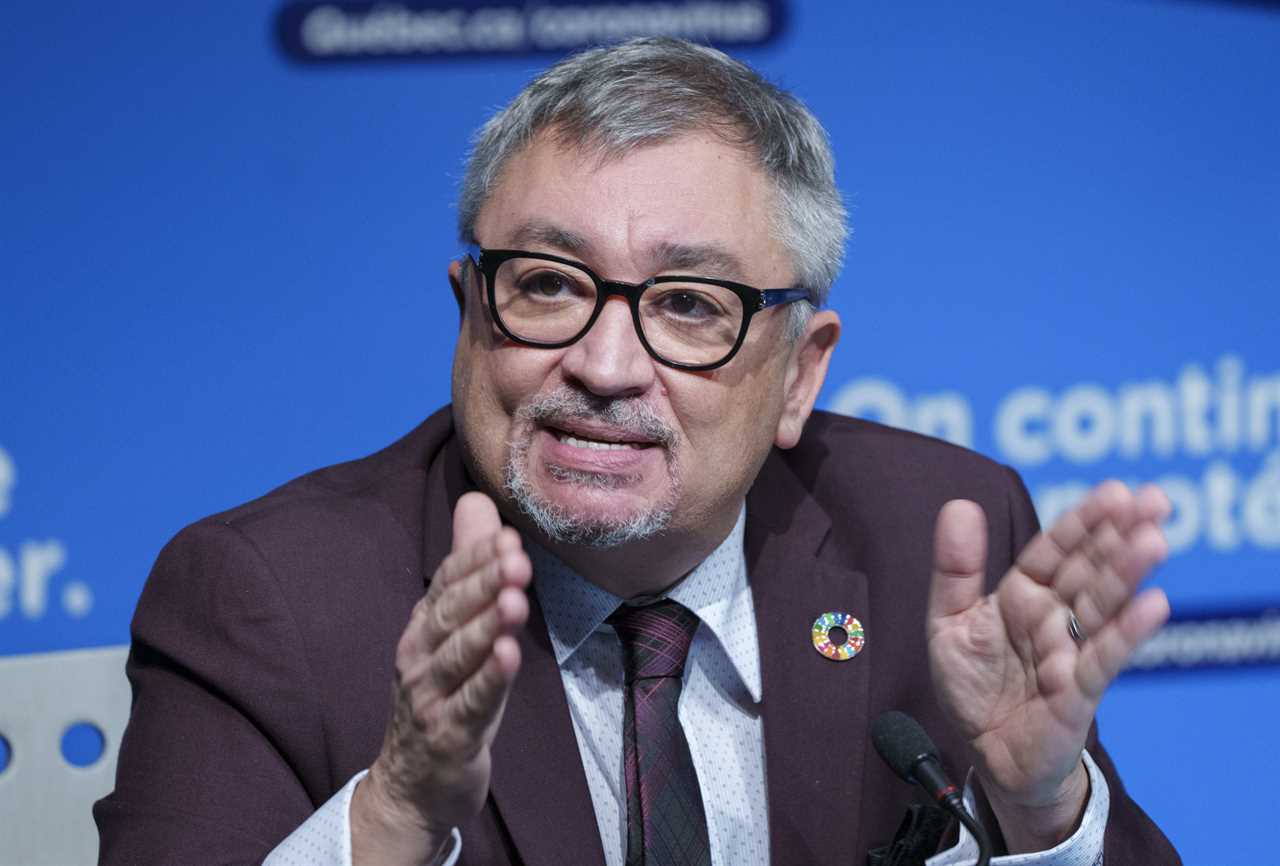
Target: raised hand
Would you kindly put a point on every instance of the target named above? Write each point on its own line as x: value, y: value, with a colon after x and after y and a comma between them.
x: 455, y: 664
x: 1017, y: 683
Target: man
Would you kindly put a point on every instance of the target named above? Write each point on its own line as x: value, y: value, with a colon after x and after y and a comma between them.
x: 638, y: 413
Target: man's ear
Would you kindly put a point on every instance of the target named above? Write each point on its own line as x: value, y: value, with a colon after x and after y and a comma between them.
x: 459, y: 274
x: 806, y: 371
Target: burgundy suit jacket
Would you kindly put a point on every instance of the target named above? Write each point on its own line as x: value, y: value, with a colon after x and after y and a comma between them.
x: 263, y: 649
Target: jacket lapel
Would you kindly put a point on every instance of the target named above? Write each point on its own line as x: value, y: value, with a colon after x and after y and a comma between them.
x: 538, y: 782
x: 814, y: 709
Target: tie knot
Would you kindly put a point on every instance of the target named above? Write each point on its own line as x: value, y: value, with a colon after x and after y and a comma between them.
x: 655, y: 638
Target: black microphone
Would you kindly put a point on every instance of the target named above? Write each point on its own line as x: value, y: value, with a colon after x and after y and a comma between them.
x: 907, y: 749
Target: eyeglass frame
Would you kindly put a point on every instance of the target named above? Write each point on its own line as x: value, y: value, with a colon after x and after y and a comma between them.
x: 487, y: 261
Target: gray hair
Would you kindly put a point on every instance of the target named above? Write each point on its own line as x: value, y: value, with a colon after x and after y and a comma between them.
x: 645, y: 91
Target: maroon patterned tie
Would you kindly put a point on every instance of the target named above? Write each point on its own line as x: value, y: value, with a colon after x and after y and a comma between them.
x: 666, y: 824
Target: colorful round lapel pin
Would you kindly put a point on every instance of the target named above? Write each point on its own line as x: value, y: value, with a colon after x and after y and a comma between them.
x: 838, y: 636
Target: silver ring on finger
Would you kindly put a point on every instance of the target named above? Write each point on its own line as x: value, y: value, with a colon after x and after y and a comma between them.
x: 1077, y: 632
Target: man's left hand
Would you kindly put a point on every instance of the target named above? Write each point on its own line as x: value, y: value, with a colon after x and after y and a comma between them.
x: 1018, y: 684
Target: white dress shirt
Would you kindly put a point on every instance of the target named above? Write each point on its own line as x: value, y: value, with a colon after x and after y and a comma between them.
x: 719, y: 710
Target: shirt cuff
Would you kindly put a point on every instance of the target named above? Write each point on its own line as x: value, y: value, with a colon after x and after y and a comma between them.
x: 1081, y: 848
x: 324, y: 839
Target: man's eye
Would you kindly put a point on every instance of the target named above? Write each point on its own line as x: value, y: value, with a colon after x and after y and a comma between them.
x: 689, y: 305
x: 546, y: 284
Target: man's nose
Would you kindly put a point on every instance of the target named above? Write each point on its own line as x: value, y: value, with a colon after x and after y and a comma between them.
x: 610, y: 360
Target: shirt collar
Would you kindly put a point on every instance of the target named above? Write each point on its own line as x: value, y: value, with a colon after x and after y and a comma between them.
x: 717, y: 590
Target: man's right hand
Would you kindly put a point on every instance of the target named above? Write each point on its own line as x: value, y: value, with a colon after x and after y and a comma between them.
x: 455, y: 664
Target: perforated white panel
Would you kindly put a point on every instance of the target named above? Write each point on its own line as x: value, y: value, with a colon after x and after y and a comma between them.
x: 45, y: 801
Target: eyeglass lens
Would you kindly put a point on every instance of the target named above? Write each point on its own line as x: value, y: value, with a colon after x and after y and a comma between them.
x: 549, y: 302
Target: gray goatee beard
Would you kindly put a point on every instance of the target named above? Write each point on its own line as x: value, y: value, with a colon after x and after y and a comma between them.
x: 559, y: 525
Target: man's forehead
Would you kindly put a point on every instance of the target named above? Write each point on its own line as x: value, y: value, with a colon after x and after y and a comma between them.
x: 691, y: 203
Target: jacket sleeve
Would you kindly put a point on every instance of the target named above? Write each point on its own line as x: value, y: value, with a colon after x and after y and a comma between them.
x: 222, y: 696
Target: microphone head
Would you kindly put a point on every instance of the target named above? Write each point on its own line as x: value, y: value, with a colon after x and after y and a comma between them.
x: 901, y: 743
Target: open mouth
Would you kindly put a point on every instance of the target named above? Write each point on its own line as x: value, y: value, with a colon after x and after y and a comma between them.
x: 599, y: 441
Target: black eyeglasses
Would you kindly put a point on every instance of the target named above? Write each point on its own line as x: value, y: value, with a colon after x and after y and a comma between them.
x: 691, y: 323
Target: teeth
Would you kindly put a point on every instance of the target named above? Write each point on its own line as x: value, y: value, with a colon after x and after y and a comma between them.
x: 593, y: 444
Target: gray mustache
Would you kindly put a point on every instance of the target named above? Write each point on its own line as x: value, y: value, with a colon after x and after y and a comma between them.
x: 629, y: 414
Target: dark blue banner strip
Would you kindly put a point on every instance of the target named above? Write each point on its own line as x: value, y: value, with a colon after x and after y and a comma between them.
x: 1213, y: 639
x: 361, y: 31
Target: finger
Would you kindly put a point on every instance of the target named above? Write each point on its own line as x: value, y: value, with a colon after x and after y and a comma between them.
x: 475, y: 518
x: 466, y: 719
x: 1117, y: 511
x: 1046, y: 553
x: 1055, y: 653
x: 465, y: 597
x: 442, y: 611
x: 1027, y: 615
x: 477, y: 706
x: 429, y: 624
x: 1126, y: 567
x: 1104, y: 655
x: 959, y: 558
x: 513, y: 610
x: 1089, y: 562
x: 1094, y: 579
x: 1152, y: 504
x: 461, y: 565
x: 465, y: 650
x: 476, y: 527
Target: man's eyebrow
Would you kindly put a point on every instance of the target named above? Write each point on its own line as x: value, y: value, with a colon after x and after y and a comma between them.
x: 544, y: 234
x: 706, y: 259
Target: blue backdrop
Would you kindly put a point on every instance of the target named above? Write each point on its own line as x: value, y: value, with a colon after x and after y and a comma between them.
x: 221, y: 267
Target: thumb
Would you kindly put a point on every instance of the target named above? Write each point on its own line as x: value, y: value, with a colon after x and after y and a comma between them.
x: 959, y: 558
x: 475, y: 518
